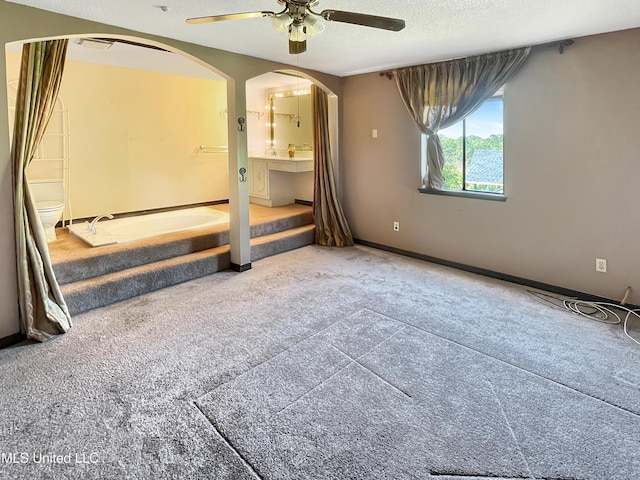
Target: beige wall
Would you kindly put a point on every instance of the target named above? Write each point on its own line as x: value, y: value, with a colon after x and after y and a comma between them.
x: 572, y: 173
x: 256, y: 119
x: 8, y: 285
x: 20, y: 23
x: 135, y: 138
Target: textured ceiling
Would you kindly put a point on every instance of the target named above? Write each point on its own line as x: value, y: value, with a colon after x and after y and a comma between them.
x: 436, y: 29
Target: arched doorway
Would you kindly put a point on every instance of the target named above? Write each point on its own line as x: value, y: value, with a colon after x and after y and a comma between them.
x: 281, y: 134
x: 297, y: 155
x: 147, y: 126
x: 124, y: 125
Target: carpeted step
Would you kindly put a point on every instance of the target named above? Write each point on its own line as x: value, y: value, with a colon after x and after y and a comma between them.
x: 269, y: 245
x: 113, y: 287
x: 114, y: 258
x: 282, y: 224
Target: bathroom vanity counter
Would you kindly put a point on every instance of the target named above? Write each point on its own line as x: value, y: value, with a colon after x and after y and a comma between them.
x: 286, y: 164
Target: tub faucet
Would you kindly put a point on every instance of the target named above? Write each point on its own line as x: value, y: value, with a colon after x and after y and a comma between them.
x: 92, y: 225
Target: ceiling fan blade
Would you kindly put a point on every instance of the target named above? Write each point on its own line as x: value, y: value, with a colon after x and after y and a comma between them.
x: 231, y: 16
x: 385, y: 23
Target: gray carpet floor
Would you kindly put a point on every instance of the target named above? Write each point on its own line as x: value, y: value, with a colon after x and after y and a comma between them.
x: 326, y: 363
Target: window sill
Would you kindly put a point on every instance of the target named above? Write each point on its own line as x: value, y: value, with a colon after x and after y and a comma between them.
x: 496, y: 197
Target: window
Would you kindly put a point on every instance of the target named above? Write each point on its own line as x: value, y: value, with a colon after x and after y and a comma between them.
x: 473, y: 150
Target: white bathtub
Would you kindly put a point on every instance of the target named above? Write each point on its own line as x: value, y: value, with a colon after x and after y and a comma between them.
x: 128, y: 229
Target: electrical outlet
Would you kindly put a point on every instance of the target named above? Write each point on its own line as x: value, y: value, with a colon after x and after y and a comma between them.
x: 396, y: 226
x: 374, y: 133
x: 601, y: 265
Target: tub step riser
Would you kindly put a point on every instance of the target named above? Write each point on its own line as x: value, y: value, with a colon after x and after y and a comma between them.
x: 106, y: 293
x: 114, y: 287
x: 102, y: 293
x: 82, y: 269
x: 296, y: 239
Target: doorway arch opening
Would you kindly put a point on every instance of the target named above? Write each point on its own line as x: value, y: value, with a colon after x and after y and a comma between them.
x: 146, y: 126
x: 280, y: 144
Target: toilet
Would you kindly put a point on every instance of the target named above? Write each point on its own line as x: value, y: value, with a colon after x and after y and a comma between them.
x: 48, y: 196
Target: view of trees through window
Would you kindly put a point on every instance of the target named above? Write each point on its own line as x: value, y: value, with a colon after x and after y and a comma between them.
x: 473, y: 150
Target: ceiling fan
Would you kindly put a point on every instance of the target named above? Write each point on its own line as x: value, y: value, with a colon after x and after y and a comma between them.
x: 299, y: 20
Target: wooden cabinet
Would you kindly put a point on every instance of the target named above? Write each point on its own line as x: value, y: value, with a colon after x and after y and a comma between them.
x: 258, y: 178
x: 275, y: 181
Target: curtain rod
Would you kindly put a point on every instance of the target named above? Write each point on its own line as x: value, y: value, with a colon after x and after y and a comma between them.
x: 561, y: 45
x: 130, y: 42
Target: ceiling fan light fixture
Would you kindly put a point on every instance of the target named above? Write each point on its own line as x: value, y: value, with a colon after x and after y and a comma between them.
x: 295, y: 48
x: 314, y: 26
x: 297, y: 32
x: 281, y: 22
x: 299, y: 20
x: 297, y: 37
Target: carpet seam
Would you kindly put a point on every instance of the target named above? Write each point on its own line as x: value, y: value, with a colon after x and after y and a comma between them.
x: 474, y: 477
x: 352, y: 361
x: 513, y: 434
x: 229, y: 444
x: 253, y: 367
x: 312, y: 389
x: 618, y: 407
x: 444, y: 476
x: 367, y: 369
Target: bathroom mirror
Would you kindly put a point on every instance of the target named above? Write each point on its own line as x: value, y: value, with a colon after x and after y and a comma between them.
x: 290, y: 121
